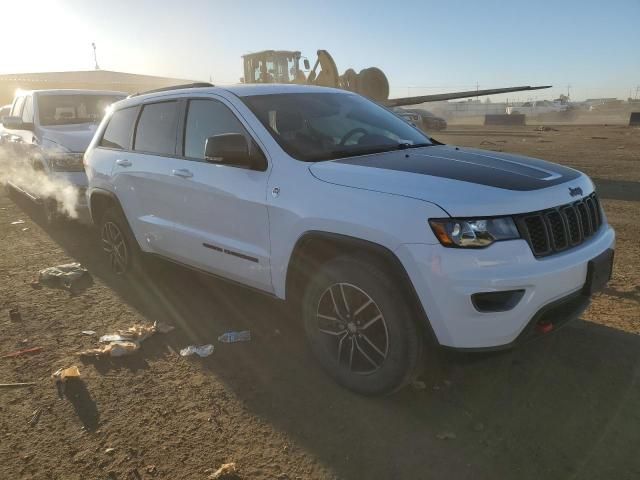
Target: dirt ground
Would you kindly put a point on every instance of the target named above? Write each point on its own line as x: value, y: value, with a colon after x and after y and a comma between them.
x: 562, y: 407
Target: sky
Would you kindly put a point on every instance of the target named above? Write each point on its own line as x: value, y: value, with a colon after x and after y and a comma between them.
x: 423, y: 46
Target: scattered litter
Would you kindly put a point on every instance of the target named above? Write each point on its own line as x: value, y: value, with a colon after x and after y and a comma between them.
x: 109, y: 450
x: 226, y: 470
x: 25, y: 229
x: 14, y: 315
x: 124, y: 342
x: 61, y: 376
x: 88, y: 332
x: 200, y: 350
x: 446, y: 436
x: 19, y: 353
x: 232, y: 337
x: 17, y: 222
x: 136, y: 333
x: 418, y: 385
x: 35, y: 416
x: 114, y: 349
x: 17, y: 385
x: 600, y: 138
x: 151, y: 469
x: 65, y: 276
x: 544, y: 128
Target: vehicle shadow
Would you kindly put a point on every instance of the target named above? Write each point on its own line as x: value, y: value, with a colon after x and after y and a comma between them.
x: 564, y: 406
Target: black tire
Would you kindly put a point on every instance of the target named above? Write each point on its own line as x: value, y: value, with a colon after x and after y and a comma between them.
x: 118, y: 243
x: 51, y: 214
x: 397, y: 339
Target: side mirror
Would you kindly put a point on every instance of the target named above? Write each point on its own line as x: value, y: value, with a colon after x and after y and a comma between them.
x: 16, y: 123
x: 228, y: 149
x: 307, y: 66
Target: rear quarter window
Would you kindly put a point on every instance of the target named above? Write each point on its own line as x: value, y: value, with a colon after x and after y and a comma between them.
x: 157, y: 128
x: 118, y: 131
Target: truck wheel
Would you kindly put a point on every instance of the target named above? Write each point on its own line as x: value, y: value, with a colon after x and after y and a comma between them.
x: 361, y: 327
x: 51, y: 214
x: 118, y: 243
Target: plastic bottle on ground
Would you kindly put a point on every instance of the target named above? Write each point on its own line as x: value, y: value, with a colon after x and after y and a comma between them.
x: 232, y: 337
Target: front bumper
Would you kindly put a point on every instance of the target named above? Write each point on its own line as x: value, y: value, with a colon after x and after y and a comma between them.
x: 445, y: 279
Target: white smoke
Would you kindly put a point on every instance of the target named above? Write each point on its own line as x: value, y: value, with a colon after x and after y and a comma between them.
x: 21, y: 172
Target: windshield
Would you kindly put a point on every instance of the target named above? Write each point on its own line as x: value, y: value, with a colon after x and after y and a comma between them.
x: 69, y: 109
x: 324, y: 126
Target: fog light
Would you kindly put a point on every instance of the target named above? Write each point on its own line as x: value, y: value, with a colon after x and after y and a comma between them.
x: 496, y: 301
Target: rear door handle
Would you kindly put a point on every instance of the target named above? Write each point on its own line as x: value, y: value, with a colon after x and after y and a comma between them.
x: 123, y: 162
x: 182, y: 172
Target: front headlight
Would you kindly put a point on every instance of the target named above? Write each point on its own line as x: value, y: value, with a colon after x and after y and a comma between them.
x: 473, y: 233
x: 66, y: 162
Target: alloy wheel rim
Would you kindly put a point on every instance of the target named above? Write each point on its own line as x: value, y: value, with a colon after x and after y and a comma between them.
x: 115, y: 247
x: 353, y: 328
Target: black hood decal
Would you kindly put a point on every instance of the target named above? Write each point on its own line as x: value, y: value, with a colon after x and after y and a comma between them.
x: 510, y: 172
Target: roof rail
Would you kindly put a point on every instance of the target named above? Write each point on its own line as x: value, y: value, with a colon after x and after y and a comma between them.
x: 174, y: 87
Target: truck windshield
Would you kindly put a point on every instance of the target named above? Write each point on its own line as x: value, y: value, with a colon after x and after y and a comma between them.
x: 70, y: 109
x: 326, y: 126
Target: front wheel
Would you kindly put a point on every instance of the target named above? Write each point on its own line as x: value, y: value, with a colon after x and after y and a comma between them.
x: 51, y: 213
x: 360, y: 326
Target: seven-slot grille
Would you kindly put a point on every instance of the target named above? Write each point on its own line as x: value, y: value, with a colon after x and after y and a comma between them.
x: 557, y: 229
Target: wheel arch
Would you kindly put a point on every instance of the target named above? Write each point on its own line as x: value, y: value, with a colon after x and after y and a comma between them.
x: 314, y: 248
x: 99, y: 201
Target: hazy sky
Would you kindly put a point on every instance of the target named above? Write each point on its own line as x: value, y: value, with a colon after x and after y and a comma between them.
x: 423, y: 46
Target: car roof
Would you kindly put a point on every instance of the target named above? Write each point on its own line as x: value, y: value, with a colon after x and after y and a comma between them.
x: 240, y: 90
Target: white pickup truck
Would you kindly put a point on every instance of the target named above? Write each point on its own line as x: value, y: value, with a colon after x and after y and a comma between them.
x: 48, y: 131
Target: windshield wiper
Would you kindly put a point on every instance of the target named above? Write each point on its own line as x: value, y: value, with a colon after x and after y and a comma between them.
x: 405, y: 146
x: 353, y: 152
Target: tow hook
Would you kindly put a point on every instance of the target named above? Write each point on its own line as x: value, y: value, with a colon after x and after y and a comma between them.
x: 544, y: 327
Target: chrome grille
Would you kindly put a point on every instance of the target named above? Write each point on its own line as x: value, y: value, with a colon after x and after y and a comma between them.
x: 557, y: 229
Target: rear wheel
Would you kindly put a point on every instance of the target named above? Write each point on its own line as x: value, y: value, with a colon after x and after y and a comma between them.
x: 361, y: 327
x: 118, y: 243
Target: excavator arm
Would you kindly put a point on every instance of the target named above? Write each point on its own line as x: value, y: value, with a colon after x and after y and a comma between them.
x: 400, y: 102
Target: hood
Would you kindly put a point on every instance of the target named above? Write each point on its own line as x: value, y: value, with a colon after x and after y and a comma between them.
x: 75, y: 138
x: 463, y: 181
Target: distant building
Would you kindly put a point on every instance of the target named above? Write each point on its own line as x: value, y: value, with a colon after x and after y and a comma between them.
x: 90, y: 79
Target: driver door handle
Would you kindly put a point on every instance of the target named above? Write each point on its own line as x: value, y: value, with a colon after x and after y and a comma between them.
x: 123, y: 162
x: 182, y: 172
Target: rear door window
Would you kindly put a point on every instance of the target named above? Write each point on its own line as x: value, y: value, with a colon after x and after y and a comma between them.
x: 157, y: 128
x: 118, y: 131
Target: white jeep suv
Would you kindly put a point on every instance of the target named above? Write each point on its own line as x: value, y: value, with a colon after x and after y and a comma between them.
x: 387, y: 240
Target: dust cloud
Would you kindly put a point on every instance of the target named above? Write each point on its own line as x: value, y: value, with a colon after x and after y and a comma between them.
x: 20, y: 172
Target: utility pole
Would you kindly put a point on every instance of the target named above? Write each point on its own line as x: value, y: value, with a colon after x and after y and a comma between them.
x: 95, y: 55
x: 569, y: 91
